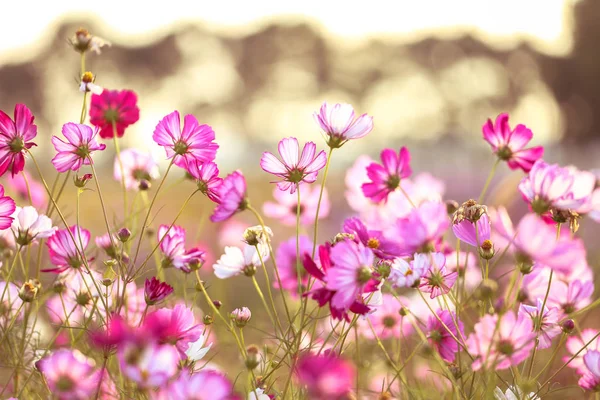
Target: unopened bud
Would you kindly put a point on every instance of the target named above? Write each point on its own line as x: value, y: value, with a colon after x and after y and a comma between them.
x: 200, y: 286
x: 256, y: 235
x: 58, y: 287
x: 384, y: 269
x: 241, y: 316
x: 83, y: 298
x: 486, y: 250
x: 403, y: 312
x: 144, y: 185
x: 107, y: 282
x: 124, y: 234
x: 195, y: 264
x: 208, y: 319
x: 29, y: 290
x: 567, y: 326
x: 252, y: 358
x: 81, y: 181
x: 217, y: 304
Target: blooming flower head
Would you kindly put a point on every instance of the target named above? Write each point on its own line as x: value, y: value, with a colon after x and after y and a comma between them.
x: 509, y: 144
x: 442, y: 334
x: 232, y: 197
x: 353, y: 270
x: 84, y: 41
x: 386, y: 319
x: 285, y: 208
x: 77, y: 150
x: 404, y: 274
x: 574, y: 344
x: 384, y: 179
x: 550, y: 187
x: 7, y: 209
x: 107, y: 244
x: 295, y: 167
x: 338, y: 123
x: 64, y: 252
x: 438, y: 279
x: 423, y: 228
x: 69, y: 374
x: 149, y: 364
x: 176, y: 326
x: 207, y: 178
x: 203, y: 385
x: 23, y: 185
x: 113, y: 111
x: 172, y: 245
x: 571, y: 296
x: 138, y: 166
x: 473, y: 233
x: 28, y: 226
x: 156, y: 291
x: 236, y: 261
x: 193, y: 142
x: 198, y: 349
x: 373, y: 239
x: 546, y: 323
x: 289, y: 266
x: 15, y: 139
x: 501, y: 348
x: 591, y: 379
x: 325, y: 377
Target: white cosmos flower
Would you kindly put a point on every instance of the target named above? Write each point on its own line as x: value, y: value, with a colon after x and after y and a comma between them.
x: 28, y: 225
x: 236, y: 261
x: 258, y: 394
x: 196, y: 351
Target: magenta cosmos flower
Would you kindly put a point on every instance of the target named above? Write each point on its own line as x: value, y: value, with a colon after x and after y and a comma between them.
x: 473, y: 233
x: 548, y: 320
x: 591, y: 379
x: 289, y: 266
x: 176, y: 326
x: 138, y: 166
x: 386, y: 319
x: 295, y: 168
x: 422, y: 230
x: 501, y: 348
x: 325, y: 377
x: 77, y: 150
x: 509, y: 144
x: 232, y: 197
x: 373, y: 239
x: 15, y: 138
x: 285, y: 209
x: 149, y: 364
x: 203, y: 385
x: 441, y: 335
x: 7, y: 208
x: 438, y: 279
x: 64, y: 252
x: 384, y: 179
x: 338, y: 123
x: 207, y: 178
x: 551, y: 187
x: 172, y: 245
x: 156, y: 291
x: 114, y: 110
x: 69, y: 374
x: 193, y: 142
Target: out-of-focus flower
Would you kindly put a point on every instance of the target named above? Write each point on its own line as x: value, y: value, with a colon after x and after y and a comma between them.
x: 105, y: 243
x: 258, y: 394
x: 172, y: 245
x: 241, y: 316
x: 501, y: 348
x: 509, y: 144
x: 325, y: 377
x: 7, y: 210
x: 294, y: 168
x: 29, y: 290
x: 207, y: 178
x: 69, y: 374
x: 18, y: 184
x: 236, y: 261
x: 285, y: 209
x: 64, y: 252
x: 148, y: 365
x: 373, y: 239
x: 232, y: 197
x: 15, y: 139
x: 591, y: 379
x: 384, y: 179
x: 422, y: 230
x: 156, y: 291
x: 10, y: 302
x: 438, y: 279
x: 338, y: 123
x: 138, y: 166
x: 442, y: 335
x: 289, y: 266
x: 176, y: 326
x: 571, y: 296
x: 28, y: 226
x: 114, y: 110
x: 193, y: 142
x: 467, y: 267
x: 386, y: 319
x: 77, y: 150
x: 547, y: 320
x: 203, y: 385
x: 575, y: 343
x: 87, y: 84
x: 84, y: 41
x: 198, y: 349
x: 513, y: 393
x: 405, y: 274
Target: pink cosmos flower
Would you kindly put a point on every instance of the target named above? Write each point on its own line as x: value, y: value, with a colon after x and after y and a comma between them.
x: 591, y: 379
x: 467, y: 267
x: 422, y: 230
x: 404, y: 274
x: 289, y: 266
x: 384, y: 179
x: 149, y: 364
x: 138, y: 166
x: 114, y: 107
x: 509, y: 144
x: 172, y: 245
x: 549, y: 326
x: 503, y: 231
x: 285, y: 208
x: 206, y: 175
x: 437, y: 280
x: 325, y: 377
x: 10, y: 302
x: 77, y: 150
x: 473, y: 233
x: 571, y: 296
x: 28, y: 226
x: 373, y: 239
x: 7, y: 209
x: 39, y: 196
x: 386, y: 319
x: 442, y: 336
x: 194, y: 142
x: 501, y: 348
x: 64, y: 252
x: 203, y: 385
x: 176, y: 326
x: 15, y: 138
x: 575, y: 343
x: 104, y: 242
x: 353, y: 269
x: 294, y: 168
x: 338, y: 123
x: 69, y: 374
x: 232, y: 197
x: 551, y: 187
x: 156, y: 291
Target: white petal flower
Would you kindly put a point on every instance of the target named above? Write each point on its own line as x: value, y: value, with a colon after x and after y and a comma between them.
x: 236, y: 261
x: 258, y: 394
x: 196, y: 351
x: 28, y: 225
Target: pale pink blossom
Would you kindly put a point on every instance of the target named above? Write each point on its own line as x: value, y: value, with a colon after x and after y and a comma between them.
x: 285, y: 207
x: 77, y: 150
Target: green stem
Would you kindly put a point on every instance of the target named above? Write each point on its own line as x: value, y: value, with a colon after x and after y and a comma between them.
x: 118, y: 151
x: 316, y: 228
x: 488, y: 181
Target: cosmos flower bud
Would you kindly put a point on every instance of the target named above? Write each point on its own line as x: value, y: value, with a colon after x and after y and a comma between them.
x: 252, y: 358
x: 58, y: 287
x: 156, y: 291
x: 81, y: 181
x: 217, y: 304
x: 403, y: 312
x: 470, y: 211
x: 486, y: 250
x: 208, y: 319
x: 384, y: 269
x: 195, y: 264
x: 29, y: 290
x: 124, y: 234
x: 567, y: 326
x: 83, y: 41
x: 256, y: 235
x: 144, y: 185
x: 200, y: 286
x: 241, y: 316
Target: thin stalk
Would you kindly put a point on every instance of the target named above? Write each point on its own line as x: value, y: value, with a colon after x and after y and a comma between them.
x: 316, y: 224
x: 488, y: 181
x: 118, y: 151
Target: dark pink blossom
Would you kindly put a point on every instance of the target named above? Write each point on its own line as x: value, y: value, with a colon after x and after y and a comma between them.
x: 118, y: 107
x: 372, y: 239
x: 15, y: 139
x: 384, y: 179
x: 7, y: 208
x: 232, y: 197
x: 206, y: 175
x: 442, y: 335
x: 325, y: 377
x: 156, y: 291
x: 176, y: 326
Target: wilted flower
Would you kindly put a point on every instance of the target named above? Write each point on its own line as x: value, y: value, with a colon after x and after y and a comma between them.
x: 138, y: 166
x: 114, y: 110
x: 15, y: 139
x: 338, y: 123
x: 87, y: 84
x: 232, y: 197
x: 257, y: 236
x: 77, y: 151
x: 241, y: 316
x: 156, y: 291
x: 384, y: 179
